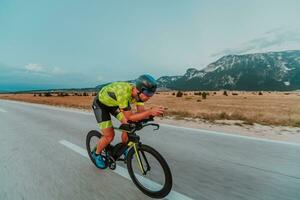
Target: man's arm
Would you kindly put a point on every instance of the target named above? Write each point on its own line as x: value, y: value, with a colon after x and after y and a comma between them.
x: 136, y: 116
x: 140, y: 108
x: 154, y: 111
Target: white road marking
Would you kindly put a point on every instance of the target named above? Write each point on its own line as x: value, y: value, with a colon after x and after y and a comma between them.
x: 229, y: 134
x: 162, y: 124
x: 2, y: 110
x: 123, y: 172
x: 75, y: 148
x: 43, y: 106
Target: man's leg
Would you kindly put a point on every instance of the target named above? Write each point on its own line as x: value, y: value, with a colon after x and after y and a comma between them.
x: 107, y: 138
x: 124, y: 137
x: 120, y: 116
x: 105, y: 125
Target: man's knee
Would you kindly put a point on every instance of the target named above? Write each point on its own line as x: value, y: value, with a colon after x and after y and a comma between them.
x: 124, y: 137
x: 109, y: 138
x: 108, y: 134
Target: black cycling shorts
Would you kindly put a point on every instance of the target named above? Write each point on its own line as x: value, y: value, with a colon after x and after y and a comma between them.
x: 102, y: 113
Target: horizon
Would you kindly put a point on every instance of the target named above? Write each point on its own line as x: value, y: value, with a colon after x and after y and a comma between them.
x: 82, y: 88
x: 46, y: 45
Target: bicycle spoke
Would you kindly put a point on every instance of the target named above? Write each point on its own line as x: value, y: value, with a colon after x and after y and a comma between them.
x: 145, y: 158
x: 139, y: 162
x: 152, y: 180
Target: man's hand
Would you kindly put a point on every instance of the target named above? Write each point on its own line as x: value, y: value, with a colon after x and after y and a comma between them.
x: 156, y: 111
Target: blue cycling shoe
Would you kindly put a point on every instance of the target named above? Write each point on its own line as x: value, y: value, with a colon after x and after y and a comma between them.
x: 126, y: 153
x: 100, y: 163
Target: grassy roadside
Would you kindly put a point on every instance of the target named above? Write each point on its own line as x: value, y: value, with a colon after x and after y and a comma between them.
x: 213, y: 117
x: 267, y: 109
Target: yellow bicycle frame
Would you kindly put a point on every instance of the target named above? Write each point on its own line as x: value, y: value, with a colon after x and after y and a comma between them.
x: 130, y: 144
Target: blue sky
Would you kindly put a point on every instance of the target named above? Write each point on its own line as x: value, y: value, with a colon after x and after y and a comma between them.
x: 76, y: 43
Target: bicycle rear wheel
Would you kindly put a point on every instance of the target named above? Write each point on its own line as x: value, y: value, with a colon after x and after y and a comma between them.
x: 92, y: 139
x: 156, y: 182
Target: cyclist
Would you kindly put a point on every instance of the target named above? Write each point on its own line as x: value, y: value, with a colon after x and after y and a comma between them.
x: 116, y: 99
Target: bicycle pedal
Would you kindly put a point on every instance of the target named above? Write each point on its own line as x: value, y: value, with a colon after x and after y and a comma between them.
x: 112, y: 166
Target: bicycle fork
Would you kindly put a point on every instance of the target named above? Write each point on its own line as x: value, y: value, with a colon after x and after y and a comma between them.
x: 137, y: 155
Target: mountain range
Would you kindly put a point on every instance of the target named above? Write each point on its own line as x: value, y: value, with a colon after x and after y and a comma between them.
x: 251, y: 72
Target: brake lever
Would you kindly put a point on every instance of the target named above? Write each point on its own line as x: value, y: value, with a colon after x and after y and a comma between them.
x: 156, y: 125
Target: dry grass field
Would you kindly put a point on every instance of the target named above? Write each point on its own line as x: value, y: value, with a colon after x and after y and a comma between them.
x: 270, y: 108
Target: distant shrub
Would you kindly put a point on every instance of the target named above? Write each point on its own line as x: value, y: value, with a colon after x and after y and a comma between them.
x: 40, y: 94
x: 238, y: 124
x: 235, y: 94
x: 260, y: 93
x: 215, y: 93
x: 178, y: 114
x: 198, y: 93
x: 287, y: 93
x: 62, y: 94
x: 85, y: 94
x: 173, y: 93
x: 47, y: 94
x: 204, y: 95
x: 237, y: 116
x: 225, y: 93
x: 157, y: 93
x: 34, y: 95
x: 185, y: 94
x: 199, y: 100
x: 94, y: 94
x: 179, y: 94
x: 248, y: 122
x: 224, y: 115
x: 297, y: 123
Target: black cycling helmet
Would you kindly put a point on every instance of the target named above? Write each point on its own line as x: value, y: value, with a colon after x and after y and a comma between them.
x: 146, y: 84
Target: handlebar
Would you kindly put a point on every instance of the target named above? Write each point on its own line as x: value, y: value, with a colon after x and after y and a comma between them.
x: 143, y: 121
x: 132, y: 126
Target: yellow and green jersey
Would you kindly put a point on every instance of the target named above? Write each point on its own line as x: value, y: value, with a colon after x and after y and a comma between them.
x: 118, y: 94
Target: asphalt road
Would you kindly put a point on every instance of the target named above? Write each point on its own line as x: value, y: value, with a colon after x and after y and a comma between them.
x: 34, y: 164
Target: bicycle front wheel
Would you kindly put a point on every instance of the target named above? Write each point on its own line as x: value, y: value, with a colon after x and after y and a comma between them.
x: 149, y: 171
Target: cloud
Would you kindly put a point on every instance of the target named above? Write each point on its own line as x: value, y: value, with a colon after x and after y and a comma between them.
x: 32, y: 67
x: 273, y: 39
x: 38, y: 69
x: 38, y: 76
x: 57, y: 71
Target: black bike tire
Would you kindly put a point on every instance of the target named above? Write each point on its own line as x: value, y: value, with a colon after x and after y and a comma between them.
x: 92, y: 133
x: 168, y: 176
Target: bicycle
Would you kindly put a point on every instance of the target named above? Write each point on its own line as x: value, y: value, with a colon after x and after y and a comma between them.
x: 138, y: 164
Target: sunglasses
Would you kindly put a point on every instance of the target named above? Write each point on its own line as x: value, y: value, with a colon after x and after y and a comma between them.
x: 148, y: 93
